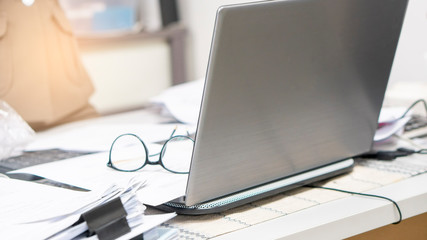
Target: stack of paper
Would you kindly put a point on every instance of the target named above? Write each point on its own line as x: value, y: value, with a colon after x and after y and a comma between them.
x: 41, y: 212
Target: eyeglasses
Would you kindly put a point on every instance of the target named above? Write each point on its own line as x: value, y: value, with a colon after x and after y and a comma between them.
x: 175, y: 155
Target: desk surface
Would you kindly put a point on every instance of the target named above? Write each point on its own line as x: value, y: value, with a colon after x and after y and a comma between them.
x: 344, y: 217
x: 304, y: 213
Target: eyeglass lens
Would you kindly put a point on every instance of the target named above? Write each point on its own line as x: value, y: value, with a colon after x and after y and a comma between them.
x: 128, y: 153
x: 176, y: 154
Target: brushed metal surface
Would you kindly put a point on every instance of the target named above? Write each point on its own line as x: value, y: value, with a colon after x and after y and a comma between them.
x: 291, y: 86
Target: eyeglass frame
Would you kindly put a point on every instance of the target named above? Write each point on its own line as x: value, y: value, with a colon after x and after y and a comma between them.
x: 147, y: 153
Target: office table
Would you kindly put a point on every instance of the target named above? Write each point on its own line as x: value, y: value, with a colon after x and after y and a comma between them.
x: 316, y: 213
x: 345, y: 217
x: 306, y: 213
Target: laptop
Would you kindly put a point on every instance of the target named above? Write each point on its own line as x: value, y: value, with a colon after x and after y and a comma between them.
x: 293, y: 92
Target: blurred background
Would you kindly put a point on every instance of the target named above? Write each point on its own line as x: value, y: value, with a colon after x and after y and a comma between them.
x: 134, y: 49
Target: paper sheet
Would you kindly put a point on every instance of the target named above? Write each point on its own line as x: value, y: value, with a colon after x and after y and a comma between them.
x: 25, y: 206
x: 390, y: 122
x: 41, y: 230
x: 182, y: 101
x: 387, y: 130
x: 390, y: 114
x: 151, y: 221
x: 23, y: 202
x: 99, y: 137
x: 91, y: 172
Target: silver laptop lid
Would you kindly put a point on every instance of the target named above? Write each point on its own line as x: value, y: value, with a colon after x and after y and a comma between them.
x: 291, y: 86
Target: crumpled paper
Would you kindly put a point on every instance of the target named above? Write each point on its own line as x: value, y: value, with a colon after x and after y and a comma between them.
x: 15, y: 133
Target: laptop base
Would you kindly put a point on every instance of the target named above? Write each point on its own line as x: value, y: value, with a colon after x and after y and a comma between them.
x: 260, y: 192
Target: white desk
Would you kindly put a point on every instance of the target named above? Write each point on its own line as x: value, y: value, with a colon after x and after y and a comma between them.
x: 336, y: 219
x: 345, y: 217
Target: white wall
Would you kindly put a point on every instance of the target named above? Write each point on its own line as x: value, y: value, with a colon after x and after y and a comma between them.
x: 410, y: 63
x: 126, y: 73
x: 411, y: 57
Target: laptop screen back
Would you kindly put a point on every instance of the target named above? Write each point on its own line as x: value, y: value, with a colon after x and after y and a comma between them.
x: 291, y: 86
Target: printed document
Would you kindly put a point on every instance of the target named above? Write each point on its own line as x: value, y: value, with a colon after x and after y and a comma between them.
x: 41, y: 211
x: 91, y: 172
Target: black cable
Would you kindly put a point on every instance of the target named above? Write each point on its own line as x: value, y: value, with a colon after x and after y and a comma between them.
x: 412, y: 106
x: 422, y: 151
x: 385, y: 155
x: 391, y: 155
x: 363, y: 194
x: 400, y: 152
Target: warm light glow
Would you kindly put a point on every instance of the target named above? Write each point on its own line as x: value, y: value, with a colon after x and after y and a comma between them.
x: 28, y: 2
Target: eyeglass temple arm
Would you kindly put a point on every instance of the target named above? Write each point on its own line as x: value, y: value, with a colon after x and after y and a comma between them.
x: 173, y: 132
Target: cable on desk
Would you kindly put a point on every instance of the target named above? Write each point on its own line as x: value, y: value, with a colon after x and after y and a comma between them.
x: 400, y: 152
x: 363, y: 194
x: 385, y: 155
x: 391, y: 155
x: 412, y: 106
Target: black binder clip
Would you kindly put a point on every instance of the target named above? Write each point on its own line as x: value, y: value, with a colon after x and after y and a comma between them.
x: 107, y: 221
